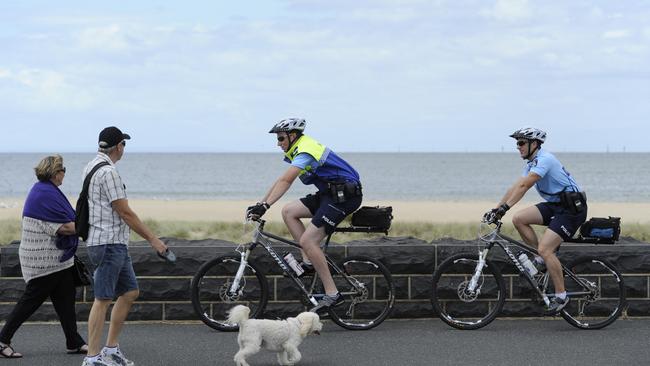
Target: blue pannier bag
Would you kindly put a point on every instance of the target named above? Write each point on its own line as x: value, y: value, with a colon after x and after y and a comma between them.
x: 601, y: 229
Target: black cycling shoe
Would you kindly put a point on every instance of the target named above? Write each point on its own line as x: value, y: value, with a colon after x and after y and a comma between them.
x: 556, y: 305
x: 328, y: 302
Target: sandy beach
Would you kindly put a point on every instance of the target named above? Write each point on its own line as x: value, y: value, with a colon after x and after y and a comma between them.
x: 404, y: 211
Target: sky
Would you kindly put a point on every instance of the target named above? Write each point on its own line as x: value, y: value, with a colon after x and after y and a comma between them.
x: 367, y: 75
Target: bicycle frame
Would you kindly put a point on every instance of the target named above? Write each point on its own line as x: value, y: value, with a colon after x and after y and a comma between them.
x: 496, y: 238
x: 261, y: 237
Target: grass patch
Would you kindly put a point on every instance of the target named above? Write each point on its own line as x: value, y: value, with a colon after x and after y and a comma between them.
x: 238, y: 232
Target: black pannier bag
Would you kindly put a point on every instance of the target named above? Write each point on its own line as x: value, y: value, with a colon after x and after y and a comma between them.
x: 376, y: 217
x: 601, y: 229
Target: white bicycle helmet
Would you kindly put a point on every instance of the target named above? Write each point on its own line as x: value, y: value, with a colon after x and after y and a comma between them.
x: 289, y: 124
x: 529, y: 133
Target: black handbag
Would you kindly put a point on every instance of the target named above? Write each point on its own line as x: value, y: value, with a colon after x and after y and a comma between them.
x: 81, y: 275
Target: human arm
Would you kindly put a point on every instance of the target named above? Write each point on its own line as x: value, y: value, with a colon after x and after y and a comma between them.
x: 519, y: 189
x: 282, y: 185
x: 121, y: 206
x: 277, y: 190
x: 514, y: 194
x: 67, y: 229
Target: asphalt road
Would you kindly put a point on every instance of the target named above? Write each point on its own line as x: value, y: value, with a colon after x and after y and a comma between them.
x: 413, y: 342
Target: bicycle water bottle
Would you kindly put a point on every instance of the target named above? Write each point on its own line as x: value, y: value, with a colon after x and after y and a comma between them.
x: 293, y: 263
x: 525, y: 261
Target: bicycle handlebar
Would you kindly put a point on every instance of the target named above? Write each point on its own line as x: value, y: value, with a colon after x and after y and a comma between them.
x: 259, y: 221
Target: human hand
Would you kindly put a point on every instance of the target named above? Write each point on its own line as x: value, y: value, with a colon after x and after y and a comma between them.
x: 163, y: 251
x: 257, y: 210
x: 501, y: 211
x: 496, y: 214
x: 490, y: 216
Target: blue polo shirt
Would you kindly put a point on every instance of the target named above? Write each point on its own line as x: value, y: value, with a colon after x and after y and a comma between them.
x: 555, y: 178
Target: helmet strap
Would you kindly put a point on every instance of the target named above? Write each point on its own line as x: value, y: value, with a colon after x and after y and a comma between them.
x: 530, y: 152
x: 290, y: 140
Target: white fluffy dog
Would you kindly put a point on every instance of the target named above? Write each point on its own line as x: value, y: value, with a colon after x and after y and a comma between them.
x: 281, y: 336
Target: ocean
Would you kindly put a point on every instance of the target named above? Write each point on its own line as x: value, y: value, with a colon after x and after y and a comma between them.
x: 606, y: 177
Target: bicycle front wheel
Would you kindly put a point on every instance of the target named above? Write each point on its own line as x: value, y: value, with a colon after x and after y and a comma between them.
x: 459, y: 306
x: 368, y: 290
x: 212, y: 295
x: 596, y: 297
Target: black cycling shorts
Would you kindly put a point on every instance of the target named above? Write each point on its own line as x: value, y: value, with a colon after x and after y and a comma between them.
x: 327, y: 213
x: 560, y: 220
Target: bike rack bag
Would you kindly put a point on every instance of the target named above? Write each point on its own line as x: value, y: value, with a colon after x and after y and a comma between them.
x: 600, y: 230
x: 379, y: 217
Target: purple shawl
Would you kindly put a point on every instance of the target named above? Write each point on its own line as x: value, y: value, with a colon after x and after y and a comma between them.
x: 46, y: 202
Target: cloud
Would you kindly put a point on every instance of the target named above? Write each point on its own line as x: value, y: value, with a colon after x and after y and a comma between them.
x: 616, y: 34
x: 5, y: 73
x: 110, y: 38
x: 646, y: 32
x: 509, y: 10
x: 41, y: 89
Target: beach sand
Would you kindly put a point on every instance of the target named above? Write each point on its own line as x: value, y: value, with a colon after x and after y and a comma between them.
x: 403, y: 211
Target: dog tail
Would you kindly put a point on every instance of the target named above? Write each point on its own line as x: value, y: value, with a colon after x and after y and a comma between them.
x: 239, y: 314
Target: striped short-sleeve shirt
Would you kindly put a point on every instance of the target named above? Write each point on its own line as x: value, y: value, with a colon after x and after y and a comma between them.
x: 106, y: 186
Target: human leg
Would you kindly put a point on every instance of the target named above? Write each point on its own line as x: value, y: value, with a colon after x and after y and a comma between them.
x: 324, y: 222
x: 291, y: 215
x: 118, y: 316
x: 127, y: 292
x: 63, y: 299
x: 547, y: 247
x: 310, y: 243
x: 108, y: 264
x: 523, y: 220
x: 36, y: 291
x: 96, y: 321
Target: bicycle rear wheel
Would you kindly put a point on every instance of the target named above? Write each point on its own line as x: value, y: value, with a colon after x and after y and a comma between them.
x: 597, y: 297
x: 455, y: 304
x: 211, y: 295
x: 368, y: 290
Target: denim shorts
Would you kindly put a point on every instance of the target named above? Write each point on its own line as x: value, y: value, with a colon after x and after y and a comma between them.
x: 114, y: 275
x: 561, y: 221
x: 327, y: 213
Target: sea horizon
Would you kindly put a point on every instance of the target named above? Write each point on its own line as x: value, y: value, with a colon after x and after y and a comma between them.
x: 438, y: 176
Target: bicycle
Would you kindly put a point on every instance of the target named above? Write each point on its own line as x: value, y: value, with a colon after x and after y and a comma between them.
x: 469, y: 290
x: 229, y: 280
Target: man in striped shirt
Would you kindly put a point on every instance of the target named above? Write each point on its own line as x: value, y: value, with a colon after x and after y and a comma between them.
x: 111, y: 219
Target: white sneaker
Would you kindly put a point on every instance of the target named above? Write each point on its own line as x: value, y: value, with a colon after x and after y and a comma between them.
x: 98, y: 362
x: 116, y: 358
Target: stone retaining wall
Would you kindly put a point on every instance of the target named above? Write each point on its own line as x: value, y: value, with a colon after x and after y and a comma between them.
x: 165, y: 288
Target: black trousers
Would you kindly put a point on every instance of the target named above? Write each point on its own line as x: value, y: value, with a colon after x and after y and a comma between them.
x: 59, y: 287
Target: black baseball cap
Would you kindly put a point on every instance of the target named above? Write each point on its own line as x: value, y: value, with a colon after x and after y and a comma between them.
x: 111, y: 136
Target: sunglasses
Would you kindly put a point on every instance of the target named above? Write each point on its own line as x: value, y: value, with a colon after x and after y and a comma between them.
x: 521, y: 142
x: 62, y: 169
x: 281, y: 138
x: 123, y: 143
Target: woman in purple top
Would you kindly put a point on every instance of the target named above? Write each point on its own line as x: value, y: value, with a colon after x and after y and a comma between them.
x: 47, y: 247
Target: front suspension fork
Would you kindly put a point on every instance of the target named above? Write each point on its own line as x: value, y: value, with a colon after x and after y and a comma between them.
x: 473, y: 282
x: 240, y: 271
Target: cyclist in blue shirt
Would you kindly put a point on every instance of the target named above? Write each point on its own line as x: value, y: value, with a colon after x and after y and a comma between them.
x: 339, y: 194
x: 563, y: 212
